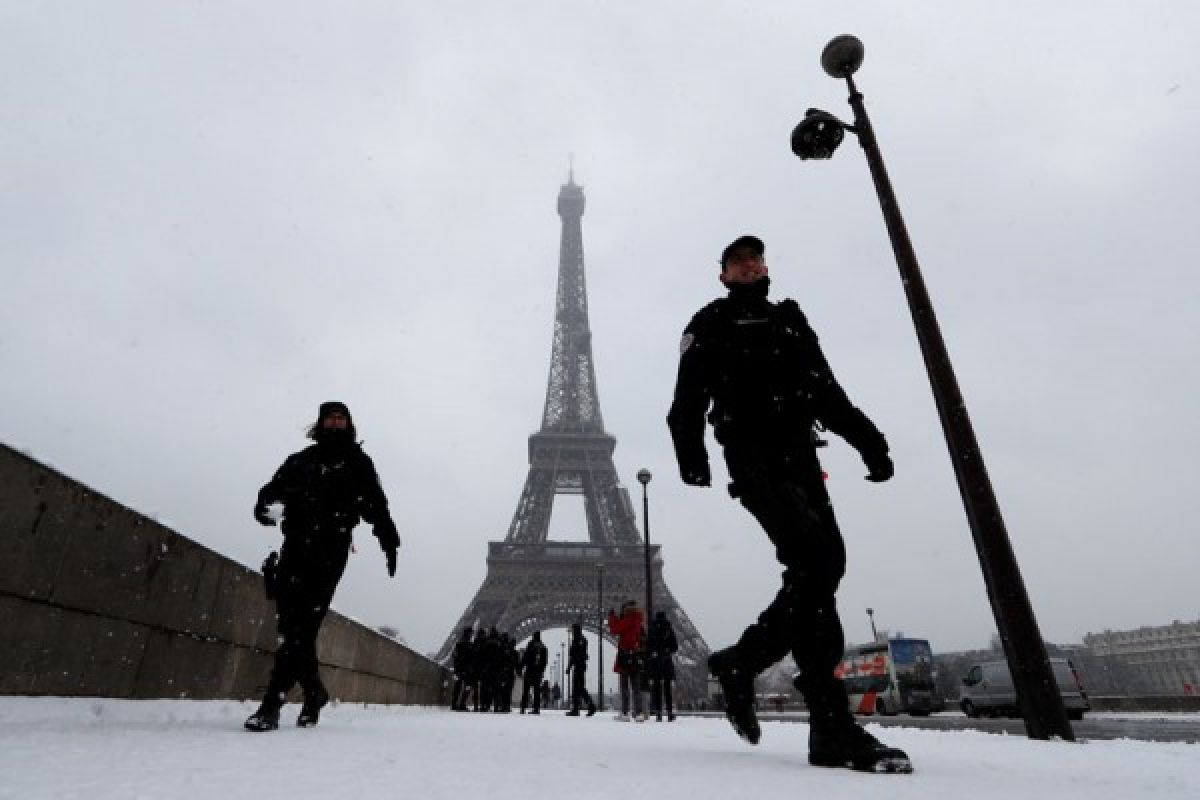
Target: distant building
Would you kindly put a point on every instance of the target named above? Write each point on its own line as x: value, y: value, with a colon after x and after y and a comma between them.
x: 1159, y: 660
x: 1166, y: 657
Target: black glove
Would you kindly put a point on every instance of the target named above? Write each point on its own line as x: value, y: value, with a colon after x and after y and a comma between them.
x: 696, y: 474
x: 385, y: 532
x: 263, y: 515
x: 879, y: 467
x: 390, y: 555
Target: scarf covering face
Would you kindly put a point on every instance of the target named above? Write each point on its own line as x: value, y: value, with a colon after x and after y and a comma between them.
x: 750, y: 292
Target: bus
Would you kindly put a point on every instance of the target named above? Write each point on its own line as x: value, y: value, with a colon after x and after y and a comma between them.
x: 890, y: 677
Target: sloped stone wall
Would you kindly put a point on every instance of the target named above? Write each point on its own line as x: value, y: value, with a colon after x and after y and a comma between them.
x: 98, y: 600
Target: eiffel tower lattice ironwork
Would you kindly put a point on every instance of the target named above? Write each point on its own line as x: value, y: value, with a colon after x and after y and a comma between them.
x: 533, y: 583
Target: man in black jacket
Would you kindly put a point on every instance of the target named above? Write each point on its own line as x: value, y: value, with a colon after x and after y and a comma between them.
x: 661, y: 647
x: 756, y: 369
x: 488, y: 656
x: 325, y: 489
x: 533, y: 666
x: 577, y: 659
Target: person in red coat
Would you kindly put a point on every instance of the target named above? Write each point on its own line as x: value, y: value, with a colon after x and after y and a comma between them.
x: 627, y: 627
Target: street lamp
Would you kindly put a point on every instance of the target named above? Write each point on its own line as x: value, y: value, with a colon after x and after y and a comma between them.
x: 643, y: 477
x: 562, y: 669
x: 556, y: 667
x: 817, y: 137
x: 600, y: 636
x: 874, y: 633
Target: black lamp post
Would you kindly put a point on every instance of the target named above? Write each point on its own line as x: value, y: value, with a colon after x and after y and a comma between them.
x: 816, y: 137
x: 874, y: 633
x: 643, y: 477
x: 600, y: 636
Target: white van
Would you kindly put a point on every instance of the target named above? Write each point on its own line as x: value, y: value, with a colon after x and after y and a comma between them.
x: 988, y: 689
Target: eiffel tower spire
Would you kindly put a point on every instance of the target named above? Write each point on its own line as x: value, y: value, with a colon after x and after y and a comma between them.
x: 572, y: 400
x: 572, y: 454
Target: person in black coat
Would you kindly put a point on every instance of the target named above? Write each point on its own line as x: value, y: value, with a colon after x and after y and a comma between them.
x: 511, y: 668
x: 533, y: 666
x: 489, y: 657
x: 755, y: 369
x: 577, y: 659
x: 325, y: 490
x: 660, y: 664
x: 464, y: 669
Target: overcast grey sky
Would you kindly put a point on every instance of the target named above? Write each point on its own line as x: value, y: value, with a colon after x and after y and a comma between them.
x: 215, y: 215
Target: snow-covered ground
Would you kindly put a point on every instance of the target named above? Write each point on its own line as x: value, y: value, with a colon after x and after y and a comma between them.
x: 185, y: 750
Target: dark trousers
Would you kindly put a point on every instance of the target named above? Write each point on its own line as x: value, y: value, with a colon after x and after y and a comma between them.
x: 631, y: 690
x: 504, y: 689
x: 660, y: 692
x: 462, y: 687
x: 487, y: 693
x: 309, y: 570
x: 786, y: 494
x: 532, y: 686
x: 579, y: 692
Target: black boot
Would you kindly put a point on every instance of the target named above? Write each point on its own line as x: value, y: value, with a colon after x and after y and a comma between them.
x: 836, y: 740
x: 854, y: 748
x: 737, y: 684
x: 591, y: 709
x: 310, y: 712
x: 267, y: 716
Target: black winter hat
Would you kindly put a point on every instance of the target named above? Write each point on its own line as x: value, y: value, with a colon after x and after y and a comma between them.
x: 753, y: 242
x: 315, y: 432
x: 330, y: 406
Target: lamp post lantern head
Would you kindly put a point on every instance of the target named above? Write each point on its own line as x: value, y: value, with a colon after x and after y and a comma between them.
x: 643, y: 476
x: 818, y: 135
x: 842, y: 57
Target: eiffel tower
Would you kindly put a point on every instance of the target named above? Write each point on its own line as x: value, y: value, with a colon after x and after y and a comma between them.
x: 532, y: 583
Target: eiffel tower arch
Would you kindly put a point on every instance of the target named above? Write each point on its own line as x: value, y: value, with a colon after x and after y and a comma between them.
x: 533, y: 583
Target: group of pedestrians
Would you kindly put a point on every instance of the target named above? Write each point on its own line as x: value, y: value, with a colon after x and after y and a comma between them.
x: 644, y: 658
x: 752, y: 368
x: 486, y: 666
x: 484, y: 662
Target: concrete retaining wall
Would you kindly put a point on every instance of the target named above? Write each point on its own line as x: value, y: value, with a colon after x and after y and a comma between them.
x: 98, y: 600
